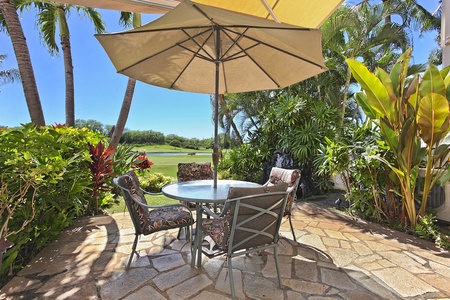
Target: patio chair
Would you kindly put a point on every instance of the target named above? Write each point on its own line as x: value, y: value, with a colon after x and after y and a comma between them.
x: 249, y: 222
x: 292, y: 178
x: 193, y: 171
x: 148, y: 219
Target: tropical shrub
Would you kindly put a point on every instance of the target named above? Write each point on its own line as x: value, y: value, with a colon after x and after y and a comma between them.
x: 56, y: 160
x: 413, y: 117
x: 243, y: 163
x: 427, y: 229
x: 367, y: 182
x: 124, y: 159
x: 298, y: 126
x: 154, y: 182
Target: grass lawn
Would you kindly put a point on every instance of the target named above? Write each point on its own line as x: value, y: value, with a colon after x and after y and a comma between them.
x: 168, y: 148
x: 167, y: 165
x: 151, y: 200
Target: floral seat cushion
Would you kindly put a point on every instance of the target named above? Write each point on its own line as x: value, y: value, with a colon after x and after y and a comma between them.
x: 166, y: 218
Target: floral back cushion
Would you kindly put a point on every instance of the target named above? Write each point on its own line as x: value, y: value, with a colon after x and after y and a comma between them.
x: 194, y: 171
x: 148, y: 221
x: 291, y: 177
x: 131, y: 182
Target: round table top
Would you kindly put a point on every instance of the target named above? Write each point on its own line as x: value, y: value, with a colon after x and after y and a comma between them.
x: 203, y: 191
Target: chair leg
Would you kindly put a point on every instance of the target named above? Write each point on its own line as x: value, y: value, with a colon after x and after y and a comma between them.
x: 230, y: 274
x: 292, y: 228
x: 275, y: 253
x: 133, y: 250
x: 186, y: 233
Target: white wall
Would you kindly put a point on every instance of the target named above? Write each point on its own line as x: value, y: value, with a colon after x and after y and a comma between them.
x: 445, y: 33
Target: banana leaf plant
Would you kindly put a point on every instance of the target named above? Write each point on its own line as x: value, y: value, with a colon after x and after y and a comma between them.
x: 412, y: 113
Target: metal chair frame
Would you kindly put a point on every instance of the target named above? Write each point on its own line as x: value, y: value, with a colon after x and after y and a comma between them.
x: 129, y: 200
x: 292, y: 190
x: 257, y: 240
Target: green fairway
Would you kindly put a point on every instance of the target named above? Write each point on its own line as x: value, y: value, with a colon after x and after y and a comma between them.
x: 168, y: 164
x: 169, y: 148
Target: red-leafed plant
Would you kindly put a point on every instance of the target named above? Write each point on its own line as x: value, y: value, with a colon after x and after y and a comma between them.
x: 57, y: 125
x: 142, y: 163
x: 101, y: 169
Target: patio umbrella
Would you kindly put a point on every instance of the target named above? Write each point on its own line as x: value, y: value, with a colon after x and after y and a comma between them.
x: 308, y: 13
x: 203, y: 49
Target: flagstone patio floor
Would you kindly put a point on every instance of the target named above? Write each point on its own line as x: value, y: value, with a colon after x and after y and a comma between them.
x: 336, y: 257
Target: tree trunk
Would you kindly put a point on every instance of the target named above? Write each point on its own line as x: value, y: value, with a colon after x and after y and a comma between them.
x: 68, y: 72
x: 388, y: 19
x: 23, y: 61
x: 124, y: 111
x: 344, y: 102
x: 229, y: 118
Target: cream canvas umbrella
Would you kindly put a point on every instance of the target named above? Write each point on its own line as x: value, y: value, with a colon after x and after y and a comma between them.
x: 203, y: 49
x: 306, y: 13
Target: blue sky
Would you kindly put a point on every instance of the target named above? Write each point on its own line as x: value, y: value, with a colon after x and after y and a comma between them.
x: 99, y: 90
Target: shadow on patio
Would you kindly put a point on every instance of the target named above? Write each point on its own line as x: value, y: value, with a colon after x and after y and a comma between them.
x: 336, y: 257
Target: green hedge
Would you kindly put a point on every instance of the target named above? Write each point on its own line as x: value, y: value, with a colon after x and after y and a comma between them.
x: 54, y: 162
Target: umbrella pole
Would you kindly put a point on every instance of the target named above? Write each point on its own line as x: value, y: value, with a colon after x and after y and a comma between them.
x: 215, y: 155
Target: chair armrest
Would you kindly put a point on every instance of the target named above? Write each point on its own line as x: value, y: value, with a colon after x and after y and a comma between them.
x: 210, y: 213
x: 150, y: 193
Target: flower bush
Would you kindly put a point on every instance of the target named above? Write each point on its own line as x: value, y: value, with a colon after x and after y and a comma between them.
x: 153, y: 183
x: 142, y: 163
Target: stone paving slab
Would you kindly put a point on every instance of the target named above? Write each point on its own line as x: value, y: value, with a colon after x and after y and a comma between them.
x: 336, y: 257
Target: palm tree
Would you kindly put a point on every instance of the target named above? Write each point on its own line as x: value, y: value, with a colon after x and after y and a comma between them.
x: 10, y: 18
x: 126, y: 19
x: 361, y: 32
x: 8, y: 76
x: 50, y: 16
x: 226, y: 117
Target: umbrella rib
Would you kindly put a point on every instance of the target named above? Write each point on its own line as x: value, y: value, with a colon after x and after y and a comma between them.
x: 192, y: 38
x: 278, y: 49
x: 244, y: 50
x: 179, y: 44
x: 235, y: 41
x: 195, y: 53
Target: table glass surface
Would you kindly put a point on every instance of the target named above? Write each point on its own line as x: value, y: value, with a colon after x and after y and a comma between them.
x: 203, y: 190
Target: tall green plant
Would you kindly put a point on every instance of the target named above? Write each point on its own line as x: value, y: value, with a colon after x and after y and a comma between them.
x: 413, y: 117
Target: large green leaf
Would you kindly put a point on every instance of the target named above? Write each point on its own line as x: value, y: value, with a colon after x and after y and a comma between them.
x: 361, y: 99
x: 433, y: 117
x: 408, y: 142
x: 412, y: 92
x: 432, y: 82
x: 390, y: 135
x: 387, y: 82
x: 399, y: 72
x: 445, y: 73
x: 377, y: 95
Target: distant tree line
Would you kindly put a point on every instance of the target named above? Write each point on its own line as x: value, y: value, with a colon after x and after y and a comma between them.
x: 146, y: 137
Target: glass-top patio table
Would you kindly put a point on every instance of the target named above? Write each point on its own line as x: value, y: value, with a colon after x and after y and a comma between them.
x: 202, y: 192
